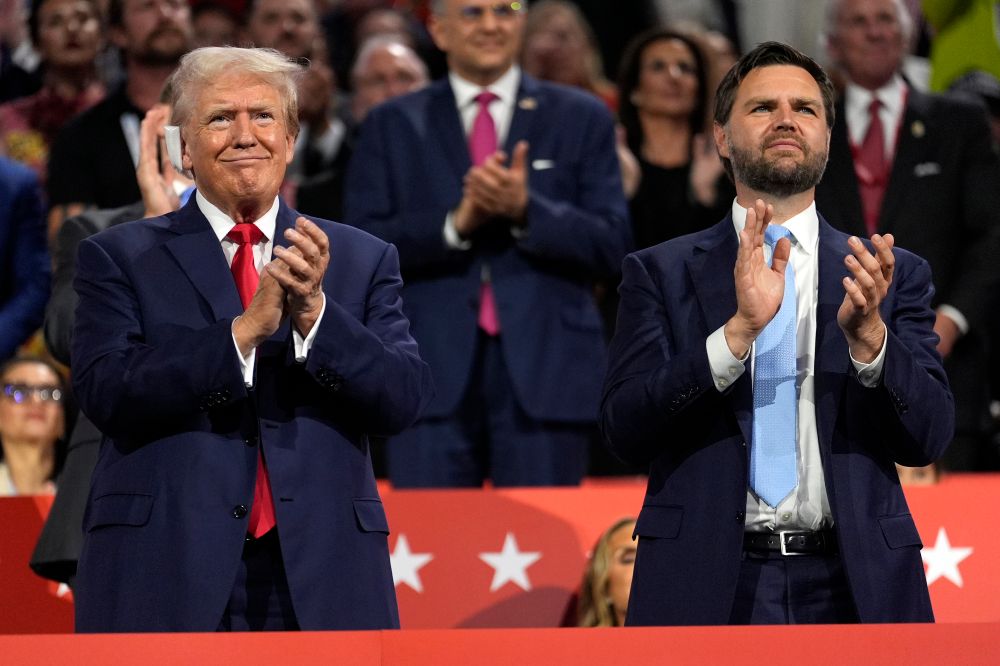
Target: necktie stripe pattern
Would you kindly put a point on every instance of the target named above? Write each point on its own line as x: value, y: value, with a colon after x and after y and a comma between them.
x: 246, y: 236
x: 773, y: 463
x: 482, y: 144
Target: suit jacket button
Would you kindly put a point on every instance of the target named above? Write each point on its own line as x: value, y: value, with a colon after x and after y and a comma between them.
x: 239, y: 511
x: 739, y: 517
x: 250, y: 440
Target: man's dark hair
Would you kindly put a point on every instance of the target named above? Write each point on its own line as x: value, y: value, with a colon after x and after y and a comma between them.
x: 765, y: 55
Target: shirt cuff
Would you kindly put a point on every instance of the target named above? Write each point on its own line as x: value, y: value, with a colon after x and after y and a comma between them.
x: 302, y: 345
x: 246, y: 362
x: 956, y: 316
x: 451, y: 237
x: 869, y: 374
x: 725, y: 367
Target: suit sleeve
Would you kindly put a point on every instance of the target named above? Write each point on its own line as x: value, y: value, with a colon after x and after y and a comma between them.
x: 592, y: 231
x: 128, y: 387
x: 30, y: 271
x: 372, y: 198
x: 651, y: 386
x: 373, y: 364
x: 918, y: 407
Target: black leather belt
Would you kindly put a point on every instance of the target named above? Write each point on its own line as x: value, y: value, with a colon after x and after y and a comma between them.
x: 791, y: 543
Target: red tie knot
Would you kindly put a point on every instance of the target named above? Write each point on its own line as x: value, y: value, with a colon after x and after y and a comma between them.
x: 245, y: 232
x: 485, y: 98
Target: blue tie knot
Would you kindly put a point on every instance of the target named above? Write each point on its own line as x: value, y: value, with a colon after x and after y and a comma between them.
x: 774, y: 233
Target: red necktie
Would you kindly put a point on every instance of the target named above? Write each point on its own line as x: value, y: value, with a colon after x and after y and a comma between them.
x: 871, y: 168
x: 482, y: 144
x: 246, y: 236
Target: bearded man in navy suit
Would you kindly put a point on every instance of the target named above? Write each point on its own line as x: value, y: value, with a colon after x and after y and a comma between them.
x: 500, y: 247
x: 234, y: 488
x: 801, y: 520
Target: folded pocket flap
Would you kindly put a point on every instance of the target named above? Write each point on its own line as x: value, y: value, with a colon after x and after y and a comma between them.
x: 659, y: 522
x: 899, y: 531
x: 131, y: 509
x: 371, y: 515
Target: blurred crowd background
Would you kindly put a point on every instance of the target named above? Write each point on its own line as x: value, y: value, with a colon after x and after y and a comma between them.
x: 79, y: 78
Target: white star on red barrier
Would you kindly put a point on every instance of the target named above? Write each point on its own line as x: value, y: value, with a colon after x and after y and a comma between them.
x: 406, y: 564
x: 942, y: 560
x: 510, y: 564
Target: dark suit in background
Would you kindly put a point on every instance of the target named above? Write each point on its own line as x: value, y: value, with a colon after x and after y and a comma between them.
x: 24, y: 257
x: 407, y: 174
x: 942, y: 202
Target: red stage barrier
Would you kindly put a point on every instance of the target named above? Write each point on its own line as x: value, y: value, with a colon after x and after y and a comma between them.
x: 513, y: 558
x: 885, y: 645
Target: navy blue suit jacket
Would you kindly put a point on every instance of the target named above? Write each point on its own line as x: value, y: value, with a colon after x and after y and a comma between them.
x: 661, y: 407
x: 155, y: 368
x: 25, y: 269
x: 406, y: 175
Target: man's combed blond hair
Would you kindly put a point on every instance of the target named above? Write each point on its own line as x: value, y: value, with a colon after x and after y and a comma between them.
x: 200, y: 68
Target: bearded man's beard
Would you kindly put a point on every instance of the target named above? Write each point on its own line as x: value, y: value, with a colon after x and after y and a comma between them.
x: 774, y: 175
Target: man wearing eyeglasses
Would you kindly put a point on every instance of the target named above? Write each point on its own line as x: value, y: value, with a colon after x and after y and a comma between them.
x: 504, y: 198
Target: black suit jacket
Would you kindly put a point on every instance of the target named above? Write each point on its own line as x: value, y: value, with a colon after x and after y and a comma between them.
x: 942, y: 201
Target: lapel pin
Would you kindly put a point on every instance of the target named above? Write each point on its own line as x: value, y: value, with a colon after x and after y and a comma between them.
x: 917, y: 129
x: 527, y: 104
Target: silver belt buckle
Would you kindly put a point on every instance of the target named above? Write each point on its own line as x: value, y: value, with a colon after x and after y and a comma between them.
x: 782, y: 543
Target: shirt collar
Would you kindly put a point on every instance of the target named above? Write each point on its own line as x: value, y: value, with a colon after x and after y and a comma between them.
x: 891, y: 95
x: 804, y: 226
x: 505, y: 87
x: 222, y: 223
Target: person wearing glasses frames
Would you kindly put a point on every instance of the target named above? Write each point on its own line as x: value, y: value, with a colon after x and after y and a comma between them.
x: 32, y: 419
x: 504, y: 197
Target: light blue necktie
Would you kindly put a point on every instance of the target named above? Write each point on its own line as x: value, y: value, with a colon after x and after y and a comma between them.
x: 772, y: 456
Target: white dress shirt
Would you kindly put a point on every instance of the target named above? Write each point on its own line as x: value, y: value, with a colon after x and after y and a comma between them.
x: 893, y: 99
x: 502, y: 112
x: 807, y: 507
x: 222, y: 224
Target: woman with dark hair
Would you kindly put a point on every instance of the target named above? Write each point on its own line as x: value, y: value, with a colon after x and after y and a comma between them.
x: 68, y: 36
x: 663, y: 106
x: 32, y: 421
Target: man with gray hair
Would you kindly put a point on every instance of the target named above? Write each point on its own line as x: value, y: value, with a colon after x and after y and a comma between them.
x: 237, y: 356
x: 385, y: 68
x: 923, y: 168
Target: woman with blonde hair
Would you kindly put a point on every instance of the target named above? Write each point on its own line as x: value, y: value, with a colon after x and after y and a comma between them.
x: 607, y: 579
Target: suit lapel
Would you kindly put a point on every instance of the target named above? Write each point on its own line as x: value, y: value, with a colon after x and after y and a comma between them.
x: 716, y: 296
x: 910, y: 148
x: 525, y: 111
x: 198, y: 252
x: 447, y: 129
x: 832, y: 355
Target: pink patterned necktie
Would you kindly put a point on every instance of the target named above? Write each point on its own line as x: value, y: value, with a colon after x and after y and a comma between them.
x: 871, y: 168
x: 482, y: 144
x: 246, y: 236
